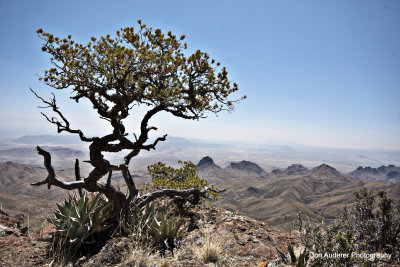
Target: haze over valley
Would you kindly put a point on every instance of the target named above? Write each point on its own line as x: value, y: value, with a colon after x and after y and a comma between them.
x: 268, y: 182
x: 269, y: 156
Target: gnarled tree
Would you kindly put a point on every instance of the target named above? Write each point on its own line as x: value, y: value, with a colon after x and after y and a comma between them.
x: 142, y: 67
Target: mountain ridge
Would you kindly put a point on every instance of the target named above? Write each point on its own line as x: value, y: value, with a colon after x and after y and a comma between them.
x: 246, y: 166
x: 386, y: 174
x: 269, y: 197
x: 269, y: 156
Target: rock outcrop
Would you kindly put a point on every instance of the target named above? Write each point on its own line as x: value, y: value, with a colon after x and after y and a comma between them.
x: 206, y: 162
x: 386, y: 174
x: 246, y: 166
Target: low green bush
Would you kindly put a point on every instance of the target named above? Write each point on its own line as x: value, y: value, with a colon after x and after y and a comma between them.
x: 185, y: 177
x: 370, y: 227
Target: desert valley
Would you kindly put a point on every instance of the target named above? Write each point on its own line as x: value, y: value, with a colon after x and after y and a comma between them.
x: 254, y: 187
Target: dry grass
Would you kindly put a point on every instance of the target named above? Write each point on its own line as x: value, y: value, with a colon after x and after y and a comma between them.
x: 210, y: 251
x: 141, y: 257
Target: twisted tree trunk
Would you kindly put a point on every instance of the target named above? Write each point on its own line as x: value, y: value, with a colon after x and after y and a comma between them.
x: 122, y: 203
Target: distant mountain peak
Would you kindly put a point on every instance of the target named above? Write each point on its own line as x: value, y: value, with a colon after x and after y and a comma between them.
x: 245, y: 165
x: 206, y: 162
x: 296, y: 169
x: 325, y: 169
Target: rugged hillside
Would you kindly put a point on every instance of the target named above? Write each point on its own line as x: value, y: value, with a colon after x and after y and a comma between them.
x: 231, y: 176
x: 276, y: 198
x: 237, y: 241
x: 293, y: 169
x: 207, y: 163
x: 246, y: 166
x: 18, y: 195
x: 385, y: 174
x: 320, y: 193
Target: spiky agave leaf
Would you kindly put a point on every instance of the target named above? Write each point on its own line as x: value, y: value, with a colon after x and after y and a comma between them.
x: 166, y: 228
x: 79, y: 218
x: 293, y: 258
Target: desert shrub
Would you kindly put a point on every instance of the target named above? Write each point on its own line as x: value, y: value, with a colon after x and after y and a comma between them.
x: 78, y: 220
x: 370, y: 226
x: 331, y: 241
x: 374, y: 222
x: 185, y: 177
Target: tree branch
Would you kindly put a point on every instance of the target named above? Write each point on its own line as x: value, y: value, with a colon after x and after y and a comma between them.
x: 52, y: 179
x: 144, y: 135
x: 153, y: 146
x: 109, y: 179
x: 60, y: 126
x: 91, y: 186
x: 133, y: 192
x: 78, y: 176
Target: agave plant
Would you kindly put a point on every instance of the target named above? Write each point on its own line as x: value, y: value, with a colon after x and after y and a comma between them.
x: 140, y: 221
x: 165, y: 231
x: 78, y: 219
x: 291, y: 259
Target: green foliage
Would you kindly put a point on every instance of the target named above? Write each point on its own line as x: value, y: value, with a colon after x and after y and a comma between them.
x: 138, y: 66
x: 157, y: 228
x: 165, y: 228
x: 366, y: 228
x: 77, y: 220
x: 140, y: 221
x: 164, y: 232
x: 186, y: 177
x: 377, y: 224
x: 334, y: 239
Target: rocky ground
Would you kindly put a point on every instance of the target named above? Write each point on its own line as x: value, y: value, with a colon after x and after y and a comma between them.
x: 17, y: 247
x: 215, y: 237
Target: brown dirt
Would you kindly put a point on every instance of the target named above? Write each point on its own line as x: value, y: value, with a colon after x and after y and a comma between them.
x: 16, y: 248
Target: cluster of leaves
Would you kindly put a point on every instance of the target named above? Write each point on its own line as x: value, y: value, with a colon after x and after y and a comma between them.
x: 77, y: 221
x: 139, y: 221
x: 138, y: 66
x: 379, y: 226
x: 333, y: 239
x: 155, y: 227
x: 371, y: 226
x: 186, y: 177
x: 164, y: 231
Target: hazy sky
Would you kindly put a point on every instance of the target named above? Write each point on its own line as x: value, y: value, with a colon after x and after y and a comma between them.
x: 323, y: 73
